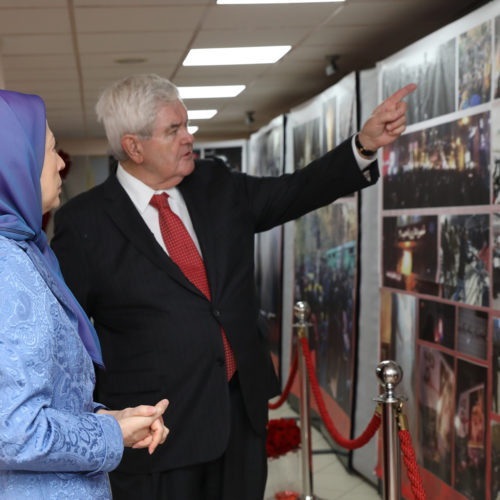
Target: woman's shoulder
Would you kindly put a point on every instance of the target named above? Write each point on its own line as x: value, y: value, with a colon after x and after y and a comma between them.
x: 13, y: 257
x: 17, y: 271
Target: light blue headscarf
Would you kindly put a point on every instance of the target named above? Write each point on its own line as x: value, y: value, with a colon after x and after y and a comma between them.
x: 22, y: 153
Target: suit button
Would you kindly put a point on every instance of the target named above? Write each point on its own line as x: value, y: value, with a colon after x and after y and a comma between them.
x: 216, y: 313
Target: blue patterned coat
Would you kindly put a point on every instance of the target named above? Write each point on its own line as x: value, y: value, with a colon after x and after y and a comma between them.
x: 52, y: 444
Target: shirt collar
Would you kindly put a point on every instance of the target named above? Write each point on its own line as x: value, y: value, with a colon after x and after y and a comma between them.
x: 139, y: 193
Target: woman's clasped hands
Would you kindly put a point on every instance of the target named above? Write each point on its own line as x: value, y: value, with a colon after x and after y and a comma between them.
x: 142, y: 426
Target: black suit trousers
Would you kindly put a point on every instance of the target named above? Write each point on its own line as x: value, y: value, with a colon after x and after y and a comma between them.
x: 239, y: 474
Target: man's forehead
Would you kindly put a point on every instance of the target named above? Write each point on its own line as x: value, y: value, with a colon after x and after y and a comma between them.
x: 172, y: 111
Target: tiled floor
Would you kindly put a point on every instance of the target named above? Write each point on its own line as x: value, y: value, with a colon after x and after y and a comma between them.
x: 331, y: 480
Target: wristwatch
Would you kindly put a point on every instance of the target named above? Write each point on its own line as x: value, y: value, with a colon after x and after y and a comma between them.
x: 361, y: 149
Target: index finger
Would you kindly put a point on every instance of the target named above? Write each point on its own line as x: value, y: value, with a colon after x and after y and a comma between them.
x: 162, y: 405
x: 401, y: 93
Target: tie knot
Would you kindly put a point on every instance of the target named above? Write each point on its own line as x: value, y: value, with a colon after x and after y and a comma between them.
x: 159, y: 201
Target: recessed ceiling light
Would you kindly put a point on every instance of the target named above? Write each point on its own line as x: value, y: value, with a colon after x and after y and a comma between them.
x: 204, y: 92
x: 250, y: 2
x: 235, y: 55
x: 192, y: 129
x: 131, y: 60
x: 201, y: 114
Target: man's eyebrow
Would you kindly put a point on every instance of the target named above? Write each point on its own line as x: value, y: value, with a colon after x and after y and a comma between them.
x: 174, y: 126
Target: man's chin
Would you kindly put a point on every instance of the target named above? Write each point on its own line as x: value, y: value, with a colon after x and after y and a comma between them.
x: 188, y: 165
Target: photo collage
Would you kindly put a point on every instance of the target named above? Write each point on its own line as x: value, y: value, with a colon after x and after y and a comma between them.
x: 440, y: 270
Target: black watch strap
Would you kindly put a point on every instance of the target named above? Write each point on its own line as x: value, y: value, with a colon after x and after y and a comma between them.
x: 361, y: 149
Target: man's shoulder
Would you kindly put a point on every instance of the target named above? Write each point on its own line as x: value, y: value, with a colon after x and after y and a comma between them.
x: 208, y: 170
x: 90, y: 199
x: 210, y: 166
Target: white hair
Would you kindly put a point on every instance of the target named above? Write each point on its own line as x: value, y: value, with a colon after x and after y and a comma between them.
x: 130, y: 106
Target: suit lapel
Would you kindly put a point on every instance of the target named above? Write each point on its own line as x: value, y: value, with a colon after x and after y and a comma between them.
x: 124, y: 214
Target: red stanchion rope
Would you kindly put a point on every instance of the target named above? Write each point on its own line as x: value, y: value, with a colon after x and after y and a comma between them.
x: 286, y: 390
x: 349, y: 444
x: 411, y: 465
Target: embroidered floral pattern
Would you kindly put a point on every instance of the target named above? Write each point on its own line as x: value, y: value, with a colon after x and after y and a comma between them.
x: 52, y: 444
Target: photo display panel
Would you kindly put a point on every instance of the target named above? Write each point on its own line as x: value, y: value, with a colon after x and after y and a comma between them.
x: 266, y: 158
x: 440, y: 278
x: 326, y: 252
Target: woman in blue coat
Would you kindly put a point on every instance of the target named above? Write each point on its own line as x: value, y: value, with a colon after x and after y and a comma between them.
x: 55, y: 441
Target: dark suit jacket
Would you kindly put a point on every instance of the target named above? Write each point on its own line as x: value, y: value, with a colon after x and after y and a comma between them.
x: 160, y: 336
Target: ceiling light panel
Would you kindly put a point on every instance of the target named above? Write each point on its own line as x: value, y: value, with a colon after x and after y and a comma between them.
x: 210, y: 91
x: 255, y: 2
x: 201, y: 114
x: 235, y: 55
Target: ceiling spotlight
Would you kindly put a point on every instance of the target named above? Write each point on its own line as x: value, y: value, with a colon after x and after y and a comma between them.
x: 331, y: 67
x: 249, y: 117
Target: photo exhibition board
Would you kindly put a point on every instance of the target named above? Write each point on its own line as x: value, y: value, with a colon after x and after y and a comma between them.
x: 325, y: 251
x: 266, y: 157
x: 233, y: 153
x: 440, y: 253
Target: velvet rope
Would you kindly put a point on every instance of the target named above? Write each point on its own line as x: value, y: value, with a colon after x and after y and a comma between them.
x: 411, y: 465
x: 349, y: 444
x: 288, y: 386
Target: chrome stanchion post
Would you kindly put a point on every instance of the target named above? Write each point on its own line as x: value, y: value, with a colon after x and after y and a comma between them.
x: 390, y: 374
x: 302, y: 311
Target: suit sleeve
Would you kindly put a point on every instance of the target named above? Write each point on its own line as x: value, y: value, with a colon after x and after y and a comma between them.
x: 38, y: 431
x: 276, y: 200
x: 67, y: 246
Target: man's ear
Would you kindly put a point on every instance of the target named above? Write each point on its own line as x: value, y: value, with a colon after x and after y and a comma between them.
x: 132, y: 146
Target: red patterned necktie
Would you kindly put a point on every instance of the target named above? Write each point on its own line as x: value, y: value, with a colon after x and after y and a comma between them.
x: 184, y: 253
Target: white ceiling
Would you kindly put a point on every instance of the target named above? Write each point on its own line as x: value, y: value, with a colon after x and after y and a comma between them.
x: 66, y: 50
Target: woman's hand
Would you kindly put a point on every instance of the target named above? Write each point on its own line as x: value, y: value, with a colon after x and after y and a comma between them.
x: 142, y: 426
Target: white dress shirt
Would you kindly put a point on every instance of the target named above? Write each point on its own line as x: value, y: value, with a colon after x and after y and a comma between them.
x: 141, y: 195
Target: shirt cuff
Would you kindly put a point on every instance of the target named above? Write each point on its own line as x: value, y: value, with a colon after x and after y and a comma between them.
x: 362, y: 162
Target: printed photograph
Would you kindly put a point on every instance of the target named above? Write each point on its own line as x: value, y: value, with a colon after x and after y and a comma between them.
x: 433, y: 70
x: 495, y: 368
x: 474, y: 66
x: 410, y: 253
x: 306, y: 143
x: 495, y: 148
x: 330, y: 124
x: 442, y: 166
x: 436, y: 386
x: 347, y: 116
x: 325, y: 267
x: 436, y: 323
x: 398, y: 340
x: 495, y: 460
x: 496, y: 60
x: 495, y: 225
x: 472, y: 332
x: 266, y: 158
x: 470, y: 430
x: 465, y: 258
x: 231, y: 156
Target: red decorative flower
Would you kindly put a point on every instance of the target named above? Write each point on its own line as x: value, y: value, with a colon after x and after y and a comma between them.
x: 283, y: 435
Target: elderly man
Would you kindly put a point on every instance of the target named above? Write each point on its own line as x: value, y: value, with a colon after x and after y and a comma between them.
x: 161, y: 257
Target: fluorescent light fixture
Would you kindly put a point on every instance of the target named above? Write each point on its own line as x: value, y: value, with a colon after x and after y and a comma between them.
x: 251, y: 2
x: 192, y: 129
x: 236, y: 55
x: 205, y: 92
x: 201, y: 114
